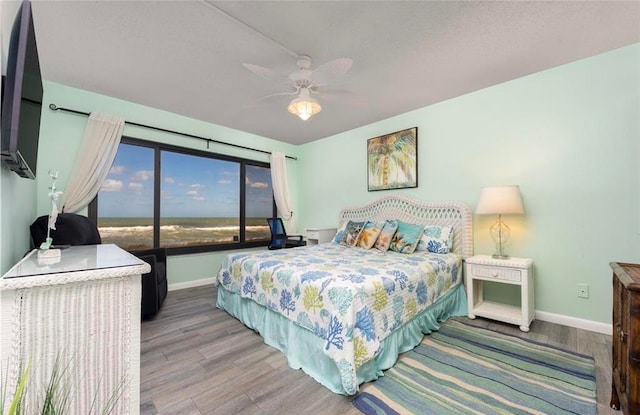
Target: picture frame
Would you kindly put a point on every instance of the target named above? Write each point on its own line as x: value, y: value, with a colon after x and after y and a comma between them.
x: 392, y: 160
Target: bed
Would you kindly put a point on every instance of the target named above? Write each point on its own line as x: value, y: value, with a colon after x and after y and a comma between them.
x: 344, y: 314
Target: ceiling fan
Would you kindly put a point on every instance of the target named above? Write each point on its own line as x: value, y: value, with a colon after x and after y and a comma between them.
x: 303, y: 82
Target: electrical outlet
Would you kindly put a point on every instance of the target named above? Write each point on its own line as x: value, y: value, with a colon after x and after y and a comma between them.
x: 583, y: 290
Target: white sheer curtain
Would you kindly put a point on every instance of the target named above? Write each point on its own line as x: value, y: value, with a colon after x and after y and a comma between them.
x: 93, y: 162
x: 281, y: 190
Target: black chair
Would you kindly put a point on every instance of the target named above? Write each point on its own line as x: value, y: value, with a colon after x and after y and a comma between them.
x: 154, y: 284
x: 73, y: 229
x: 279, y: 237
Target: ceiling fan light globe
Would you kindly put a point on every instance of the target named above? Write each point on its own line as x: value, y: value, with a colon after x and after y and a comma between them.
x: 304, y: 116
x: 304, y: 108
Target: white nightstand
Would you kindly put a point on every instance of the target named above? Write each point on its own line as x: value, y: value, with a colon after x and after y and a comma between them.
x: 514, y: 271
x: 317, y: 236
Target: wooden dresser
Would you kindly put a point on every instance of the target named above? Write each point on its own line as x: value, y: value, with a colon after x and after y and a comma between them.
x: 625, y: 383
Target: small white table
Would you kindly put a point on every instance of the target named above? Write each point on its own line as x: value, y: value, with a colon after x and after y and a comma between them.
x: 514, y: 271
x: 317, y: 236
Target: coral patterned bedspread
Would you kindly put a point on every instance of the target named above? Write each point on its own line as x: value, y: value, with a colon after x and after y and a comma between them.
x: 350, y: 297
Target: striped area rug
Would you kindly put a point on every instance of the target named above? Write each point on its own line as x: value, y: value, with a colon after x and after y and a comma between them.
x: 462, y: 369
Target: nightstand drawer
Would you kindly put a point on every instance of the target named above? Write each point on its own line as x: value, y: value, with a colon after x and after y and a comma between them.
x: 489, y: 272
x: 313, y: 235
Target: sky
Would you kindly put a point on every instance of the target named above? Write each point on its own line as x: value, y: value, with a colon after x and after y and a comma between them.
x: 191, y: 186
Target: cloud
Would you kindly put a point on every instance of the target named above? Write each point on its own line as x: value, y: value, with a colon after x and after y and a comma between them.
x: 224, y: 181
x: 166, y: 194
x: 196, y: 186
x: 169, y: 180
x: 143, y: 175
x: 198, y: 198
x: 192, y: 193
x: 135, y: 186
x: 256, y: 185
x: 259, y: 185
x: 110, y: 185
x: 117, y: 169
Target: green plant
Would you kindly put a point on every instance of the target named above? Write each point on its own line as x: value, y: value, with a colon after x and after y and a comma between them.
x: 57, y: 393
x: 17, y: 402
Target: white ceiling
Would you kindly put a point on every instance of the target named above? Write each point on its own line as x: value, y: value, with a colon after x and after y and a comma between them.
x: 186, y: 57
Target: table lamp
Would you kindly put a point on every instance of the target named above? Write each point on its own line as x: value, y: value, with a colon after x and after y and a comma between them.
x: 500, y: 200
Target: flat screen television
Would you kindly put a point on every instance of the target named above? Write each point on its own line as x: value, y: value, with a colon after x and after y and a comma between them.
x: 22, y: 98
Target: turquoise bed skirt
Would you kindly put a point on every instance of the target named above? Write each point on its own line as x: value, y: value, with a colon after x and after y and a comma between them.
x: 303, y: 349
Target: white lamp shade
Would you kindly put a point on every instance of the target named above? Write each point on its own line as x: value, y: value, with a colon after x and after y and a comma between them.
x: 500, y: 200
x: 304, y: 106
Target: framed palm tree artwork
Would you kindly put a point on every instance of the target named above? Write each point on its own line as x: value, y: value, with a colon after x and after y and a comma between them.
x: 392, y: 160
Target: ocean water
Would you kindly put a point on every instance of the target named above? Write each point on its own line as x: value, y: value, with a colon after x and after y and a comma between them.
x: 137, y: 233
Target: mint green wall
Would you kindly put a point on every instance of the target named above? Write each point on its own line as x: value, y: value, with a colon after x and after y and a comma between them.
x: 61, y: 134
x: 17, y: 210
x: 568, y: 136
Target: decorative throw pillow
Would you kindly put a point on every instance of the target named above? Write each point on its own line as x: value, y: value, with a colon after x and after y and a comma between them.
x: 436, y: 239
x: 340, y: 231
x: 369, y: 234
x: 351, y: 233
x: 406, y: 238
x: 384, y: 239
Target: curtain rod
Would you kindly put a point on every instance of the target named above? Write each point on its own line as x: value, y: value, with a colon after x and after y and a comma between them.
x: 54, y: 107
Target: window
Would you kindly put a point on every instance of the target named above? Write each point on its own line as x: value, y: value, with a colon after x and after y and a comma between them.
x: 185, y: 200
x: 125, y: 211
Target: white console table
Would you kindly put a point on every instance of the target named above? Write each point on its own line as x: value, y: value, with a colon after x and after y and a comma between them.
x: 82, y: 308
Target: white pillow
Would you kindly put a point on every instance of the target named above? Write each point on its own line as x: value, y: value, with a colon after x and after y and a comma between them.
x: 340, y: 232
x: 436, y: 239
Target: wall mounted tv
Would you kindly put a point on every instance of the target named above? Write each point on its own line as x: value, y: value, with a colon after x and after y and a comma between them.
x: 22, y: 98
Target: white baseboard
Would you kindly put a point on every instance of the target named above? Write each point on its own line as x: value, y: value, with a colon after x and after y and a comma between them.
x: 579, y: 323
x: 191, y: 284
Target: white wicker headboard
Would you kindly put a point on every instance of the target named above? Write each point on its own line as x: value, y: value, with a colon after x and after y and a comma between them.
x: 455, y: 214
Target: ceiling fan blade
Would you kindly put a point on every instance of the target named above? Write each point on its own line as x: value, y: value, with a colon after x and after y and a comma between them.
x: 341, y: 95
x: 331, y: 70
x: 263, y: 72
x: 266, y: 97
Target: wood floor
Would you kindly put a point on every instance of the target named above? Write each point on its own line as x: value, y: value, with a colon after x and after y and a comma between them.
x: 196, y: 359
